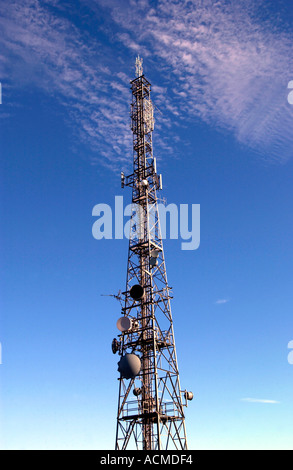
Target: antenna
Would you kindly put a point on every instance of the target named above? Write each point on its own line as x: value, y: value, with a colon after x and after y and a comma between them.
x: 138, y: 66
x: 117, y: 296
x: 150, y: 413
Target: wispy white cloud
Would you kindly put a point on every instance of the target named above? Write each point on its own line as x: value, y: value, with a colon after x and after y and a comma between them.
x: 222, y: 301
x: 47, y: 50
x: 260, y: 400
x: 228, y: 66
x: 217, y: 61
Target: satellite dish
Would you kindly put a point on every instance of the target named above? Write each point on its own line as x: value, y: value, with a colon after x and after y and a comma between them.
x: 129, y: 366
x: 123, y: 324
x: 188, y: 395
x: 136, y: 292
x: 154, y: 257
x: 115, y: 346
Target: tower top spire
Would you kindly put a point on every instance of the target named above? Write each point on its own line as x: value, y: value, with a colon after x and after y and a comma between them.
x: 138, y: 66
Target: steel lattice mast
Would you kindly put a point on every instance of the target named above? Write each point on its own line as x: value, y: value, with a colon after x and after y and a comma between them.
x: 150, y: 407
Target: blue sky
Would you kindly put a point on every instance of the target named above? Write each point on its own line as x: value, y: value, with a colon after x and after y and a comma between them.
x: 223, y: 139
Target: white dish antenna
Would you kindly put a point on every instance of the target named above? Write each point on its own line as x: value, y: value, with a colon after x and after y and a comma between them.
x: 124, y: 324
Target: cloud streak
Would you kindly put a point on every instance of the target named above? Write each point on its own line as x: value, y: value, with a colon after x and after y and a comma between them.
x: 221, y: 301
x: 259, y: 400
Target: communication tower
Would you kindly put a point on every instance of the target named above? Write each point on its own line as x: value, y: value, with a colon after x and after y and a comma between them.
x: 151, y: 403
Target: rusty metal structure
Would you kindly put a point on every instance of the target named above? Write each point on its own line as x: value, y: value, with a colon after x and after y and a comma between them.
x: 151, y: 403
